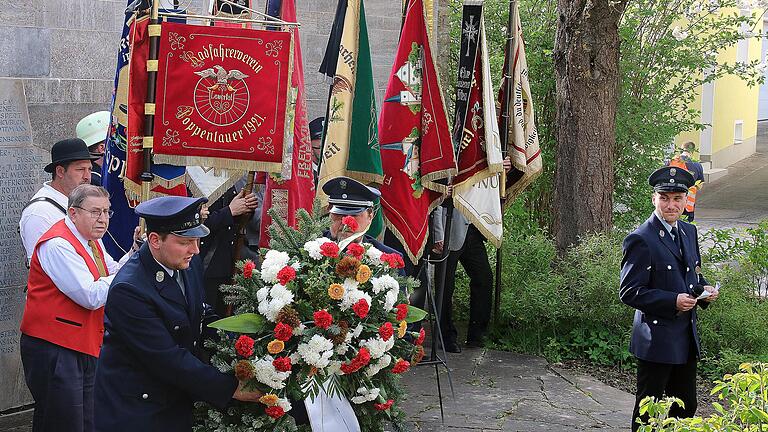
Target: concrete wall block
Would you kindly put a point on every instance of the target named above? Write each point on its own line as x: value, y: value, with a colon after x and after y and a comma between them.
x: 53, y: 122
x: 35, y: 90
x: 25, y: 52
x: 28, y: 13
x: 83, y: 54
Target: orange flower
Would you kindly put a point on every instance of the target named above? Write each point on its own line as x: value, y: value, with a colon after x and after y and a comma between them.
x: 336, y: 291
x: 347, y: 267
x: 312, y: 371
x: 269, y: 399
x: 363, y: 274
x: 276, y: 346
x: 401, y: 329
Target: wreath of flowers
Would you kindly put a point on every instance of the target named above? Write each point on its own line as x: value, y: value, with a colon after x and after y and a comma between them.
x: 322, y: 316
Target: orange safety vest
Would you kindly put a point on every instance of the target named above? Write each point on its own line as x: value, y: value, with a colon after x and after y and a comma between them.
x: 690, y: 203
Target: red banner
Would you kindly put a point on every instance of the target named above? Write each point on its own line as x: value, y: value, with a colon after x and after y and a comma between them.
x: 288, y: 195
x: 221, y: 97
x: 416, y: 147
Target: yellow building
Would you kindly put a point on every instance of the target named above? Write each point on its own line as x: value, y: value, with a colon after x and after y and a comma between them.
x: 730, y: 109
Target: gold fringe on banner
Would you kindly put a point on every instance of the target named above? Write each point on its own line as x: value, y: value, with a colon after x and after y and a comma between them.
x: 414, y: 258
x: 229, y: 164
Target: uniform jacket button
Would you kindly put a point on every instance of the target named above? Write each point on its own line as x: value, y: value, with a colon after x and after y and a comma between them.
x: 145, y: 396
x: 687, y: 269
x: 655, y: 321
x: 175, y: 327
x: 229, y: 227
x: 690, y: 286
x: 194, y: 343
x: 669, y: 267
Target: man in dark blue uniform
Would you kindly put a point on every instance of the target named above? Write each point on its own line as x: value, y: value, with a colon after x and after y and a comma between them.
x: 148, y: 377
x: 661, y: 278
x: 349, y: 197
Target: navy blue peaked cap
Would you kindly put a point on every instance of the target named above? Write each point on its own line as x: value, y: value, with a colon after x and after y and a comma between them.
x: 174, y: 214
x: 316, y: 128
x: 349, y: 196
x: 671, y: 179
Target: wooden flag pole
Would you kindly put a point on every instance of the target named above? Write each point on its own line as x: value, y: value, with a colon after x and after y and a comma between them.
x: 504, y: 127
x: 149, y: 101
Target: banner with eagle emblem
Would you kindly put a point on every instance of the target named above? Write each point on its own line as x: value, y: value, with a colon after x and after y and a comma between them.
x: 221, y: 97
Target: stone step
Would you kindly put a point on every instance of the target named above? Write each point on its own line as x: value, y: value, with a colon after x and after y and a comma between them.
x: 713, y: 174
x: 706, y: 165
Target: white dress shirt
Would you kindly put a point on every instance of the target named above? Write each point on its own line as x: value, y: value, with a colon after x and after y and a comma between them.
x: 667, y: 225
x: 70, y: 273
x: 38, y: 217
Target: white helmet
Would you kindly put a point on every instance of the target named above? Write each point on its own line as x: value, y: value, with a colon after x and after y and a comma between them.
x: 93, y: 128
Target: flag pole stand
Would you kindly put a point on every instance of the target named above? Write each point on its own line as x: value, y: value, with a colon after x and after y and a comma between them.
x: 435, y: 312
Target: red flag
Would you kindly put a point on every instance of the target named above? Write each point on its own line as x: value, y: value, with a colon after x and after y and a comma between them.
x: 168, y: 180
x: 414, y: 133
x: 288, y: 195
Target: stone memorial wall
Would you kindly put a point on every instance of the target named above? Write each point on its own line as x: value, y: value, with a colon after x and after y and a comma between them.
x: 20, y: 168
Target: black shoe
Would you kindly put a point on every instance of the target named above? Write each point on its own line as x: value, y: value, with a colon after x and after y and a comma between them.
x: 452, y: 347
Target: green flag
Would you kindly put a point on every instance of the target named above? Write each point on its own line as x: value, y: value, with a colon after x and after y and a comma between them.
x: 351, y: 139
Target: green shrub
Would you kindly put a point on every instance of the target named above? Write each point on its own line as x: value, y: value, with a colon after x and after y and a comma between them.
x: 743, y: 406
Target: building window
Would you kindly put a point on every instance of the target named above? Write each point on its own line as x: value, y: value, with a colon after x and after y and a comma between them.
x: 742, y: 47
x: 738, y: 132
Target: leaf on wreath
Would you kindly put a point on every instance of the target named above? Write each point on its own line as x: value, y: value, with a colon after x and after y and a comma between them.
x: 243, y: 323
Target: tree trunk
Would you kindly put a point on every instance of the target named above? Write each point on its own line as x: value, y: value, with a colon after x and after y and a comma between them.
x: 587, y: 92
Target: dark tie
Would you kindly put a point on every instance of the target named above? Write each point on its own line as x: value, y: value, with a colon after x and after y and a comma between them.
x: 180, y: 281
x: 678, y: 240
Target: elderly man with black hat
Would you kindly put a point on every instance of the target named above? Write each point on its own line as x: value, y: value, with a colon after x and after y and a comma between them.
x: 661, y: 278
x: 69, y: 168
x: 148, y: 375
x: 349, y: 197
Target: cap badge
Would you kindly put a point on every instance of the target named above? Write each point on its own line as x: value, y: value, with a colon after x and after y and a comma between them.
x: 343, y: 184
x: 197, y: 216
x: 160, y: 276
x: 661, y: 233
x: 671, y: 180
x: 673, y: 171
x: 344, y: 196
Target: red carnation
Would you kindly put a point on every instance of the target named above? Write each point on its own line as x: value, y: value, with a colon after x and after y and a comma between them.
x: 401, y: 366
x: 286, y: 274
x: 361, y: 308
x: 283, y: 332
x: 402, y: 311
x: 329, y: 249
x: 420, y: 340
x: 274, y: 411
x: 361, y: 360
x: 386, y: 331
x: 282, y: 364
x: 350, y: 222
x: 248, y: 269
x: 323, y: 319
x: 393, y: 259
x: 244, y: 346
x: 384, y: 406
x: 356, y: 250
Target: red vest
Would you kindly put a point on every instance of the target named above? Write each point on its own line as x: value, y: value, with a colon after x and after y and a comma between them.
x: 52, y: 316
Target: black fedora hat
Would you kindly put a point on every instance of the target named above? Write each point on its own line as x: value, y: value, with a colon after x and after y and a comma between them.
x: 72, y: 149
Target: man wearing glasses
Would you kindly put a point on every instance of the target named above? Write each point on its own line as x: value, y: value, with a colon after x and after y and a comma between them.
x: 63, y: 320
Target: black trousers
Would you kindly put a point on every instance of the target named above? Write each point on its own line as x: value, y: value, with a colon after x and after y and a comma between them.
x: 474, y: 259
x: 61, y: 382
x: 660, y: 379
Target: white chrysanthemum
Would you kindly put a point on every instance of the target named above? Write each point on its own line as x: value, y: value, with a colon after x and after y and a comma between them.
x: 280, y: 292
x: 353, y: 295
x: 341, y: 349
x: 374, y: 255
x: 274, y: 261
x: 377, y: 346
x: 365, y: 395
x: 265, y: 373
x: 313, y: 249
x: 334, y: 368
x: 317, y: 352
x: 376, y: 367
x: 262, y: 293
x: 679, y: 34
x: 384, y: 283
x: 285, y: 404
x: 390, y: 299
x: 356, y: 332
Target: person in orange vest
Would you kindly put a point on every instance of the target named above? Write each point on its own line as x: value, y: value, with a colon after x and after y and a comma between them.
x: 686, y: 162
x: 63, y: 322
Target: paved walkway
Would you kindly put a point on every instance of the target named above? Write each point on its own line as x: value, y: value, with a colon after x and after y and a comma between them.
x: 503, y: 391
x: 495, y: 391
x: 740, y: 198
